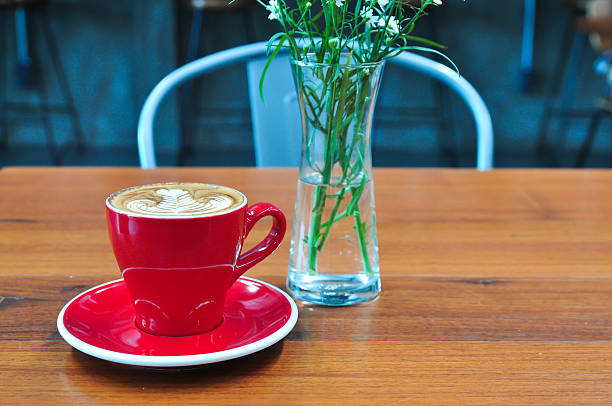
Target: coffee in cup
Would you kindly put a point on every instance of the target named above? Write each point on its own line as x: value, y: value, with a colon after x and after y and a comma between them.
x: 176, y: 200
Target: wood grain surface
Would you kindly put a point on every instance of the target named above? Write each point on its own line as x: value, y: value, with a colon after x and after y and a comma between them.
x: 496, y: 290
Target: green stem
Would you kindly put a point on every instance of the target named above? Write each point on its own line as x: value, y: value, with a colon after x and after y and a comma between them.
x: 362, y: 241
x: 357, y: 192
x: 332, y: 219
x: 320, y: 197
x: 317, y: 211
x: 343, y: 105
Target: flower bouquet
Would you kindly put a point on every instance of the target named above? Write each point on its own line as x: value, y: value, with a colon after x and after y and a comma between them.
x: 338, y: 49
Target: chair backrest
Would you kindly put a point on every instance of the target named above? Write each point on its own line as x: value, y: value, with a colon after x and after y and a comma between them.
x: 276, y: 123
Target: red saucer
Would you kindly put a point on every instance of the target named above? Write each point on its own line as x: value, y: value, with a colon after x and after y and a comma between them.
x: 100, y: 322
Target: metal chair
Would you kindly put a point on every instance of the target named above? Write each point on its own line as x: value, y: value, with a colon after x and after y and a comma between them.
x: 197, y: 8
x: 275, y: 122
x: 29, y: 77
x: 563, y: 85
x: 529, y: 20
x: 603, y: 66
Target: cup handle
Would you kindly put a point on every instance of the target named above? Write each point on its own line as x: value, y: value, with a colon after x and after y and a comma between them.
x: 256, y: 254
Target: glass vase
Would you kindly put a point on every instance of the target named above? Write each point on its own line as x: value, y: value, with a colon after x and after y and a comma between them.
x: 334, y: 248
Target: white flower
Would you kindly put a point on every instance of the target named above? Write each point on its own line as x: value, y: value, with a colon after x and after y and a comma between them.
x: 383, y: 3
x: 437, y: 2
x: 274, y: 10
x: 338, y: 3
x: 391, y: 26
x: 368, y: 16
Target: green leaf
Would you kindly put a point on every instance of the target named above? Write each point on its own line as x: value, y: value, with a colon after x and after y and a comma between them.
x: 270, y: 59
x: 424, y: 41
x: 424, y: 49
x: 272, y: 39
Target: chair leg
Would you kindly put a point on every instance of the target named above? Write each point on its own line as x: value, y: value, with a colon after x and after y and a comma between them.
x: 585, y: 148
x: 527, y: 71
x: 44, y: 112
x: 571, y: 78
x: 444, y: 124
x: 3, y: 83
x: 62, y: 80
x: 193, y: 47
x: 24, y: 62
x: 46, y: 121
x: 567, y: 97
x: 443, y: 114
x: 249, y: 27
x: 561, y: 63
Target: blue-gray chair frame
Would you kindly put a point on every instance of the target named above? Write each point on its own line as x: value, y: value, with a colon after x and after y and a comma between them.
x: 276, y: 124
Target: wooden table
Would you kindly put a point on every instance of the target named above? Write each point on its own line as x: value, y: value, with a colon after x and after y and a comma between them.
x: 497, y: 289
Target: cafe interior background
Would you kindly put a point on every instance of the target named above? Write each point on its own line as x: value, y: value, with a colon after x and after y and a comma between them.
x: 75, y: 74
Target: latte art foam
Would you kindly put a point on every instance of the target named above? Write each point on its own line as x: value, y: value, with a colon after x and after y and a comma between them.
x: 176, y: 200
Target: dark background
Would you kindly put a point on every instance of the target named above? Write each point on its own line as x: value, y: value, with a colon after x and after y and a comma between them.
x: 115, y: 52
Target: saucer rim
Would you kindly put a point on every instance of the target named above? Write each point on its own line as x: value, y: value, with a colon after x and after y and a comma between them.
x: 169, y: 361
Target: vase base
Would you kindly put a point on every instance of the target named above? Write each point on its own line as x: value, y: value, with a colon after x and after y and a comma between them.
x: 333, y: 290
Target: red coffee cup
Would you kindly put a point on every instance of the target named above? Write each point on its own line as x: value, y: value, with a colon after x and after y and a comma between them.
x: 178, y: 270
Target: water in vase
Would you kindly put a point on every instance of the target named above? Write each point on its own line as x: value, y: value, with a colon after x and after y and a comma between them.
x: 334, y: 249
